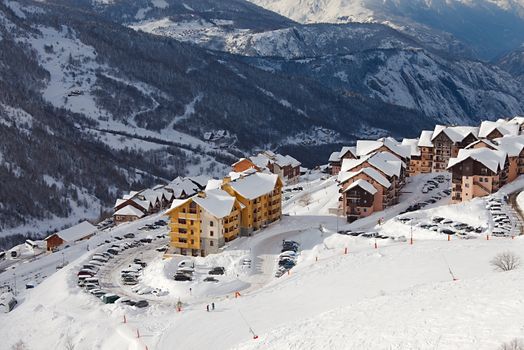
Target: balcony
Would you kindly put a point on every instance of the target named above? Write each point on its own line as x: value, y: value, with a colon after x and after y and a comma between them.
x: 181, y: 245
x: 188, y: 216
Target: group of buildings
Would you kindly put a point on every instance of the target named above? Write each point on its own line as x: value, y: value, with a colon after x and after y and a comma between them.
x: 480, y: 159
x: 239, y: 204
x: 137, y: 204
x: 245, y: 201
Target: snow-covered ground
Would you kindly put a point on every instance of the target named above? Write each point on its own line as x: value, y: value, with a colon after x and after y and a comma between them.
x: 344, y: 292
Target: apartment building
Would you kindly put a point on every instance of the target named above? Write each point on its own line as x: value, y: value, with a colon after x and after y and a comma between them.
x: 364, y: 192
x: 447, y: 141
x: 336, y: 158
x: 386, y: 164
x: 493, y: 130
x: 477, y: 172
x: 202, y: 224
x: 285, y: 166
x: 260, y: 195
x: 387, y: 145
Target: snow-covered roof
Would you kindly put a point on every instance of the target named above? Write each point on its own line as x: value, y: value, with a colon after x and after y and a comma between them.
x: 365, y: 147
x: 413, y: 146
x: 350, y: 164
x: 178, y: 202
x: 254, y: 185
x: 487, y: 142
x: 334, y: 157
x: 372, y: 173
x: 512, y: 145
x: 387, y: 163
x: 260, y: 160
x: 217, y: 202
x: 366, y: 186
x: 129, y: 210
x: 119, y: 201
x: 517, y: 120
x: 505, y: 128
x: 143, y: 204
x: 213, y: 183
x: 183, y: 186
x: 425, y: 138
x: 74, y: 233
x: 346, y: 149
x: 455, y: 133
x: 493, y: 160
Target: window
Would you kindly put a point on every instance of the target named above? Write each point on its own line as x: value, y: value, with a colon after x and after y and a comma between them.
x: 211, y: 233
x: 211, y: 223
x: 211, y: 243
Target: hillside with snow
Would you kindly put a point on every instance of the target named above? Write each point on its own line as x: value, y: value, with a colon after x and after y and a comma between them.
x: 343, y: 289
x: 490, y: 27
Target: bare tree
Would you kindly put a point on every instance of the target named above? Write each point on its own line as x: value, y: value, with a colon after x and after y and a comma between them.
x: 69, y: 344
x: 515, y: 344
x: 505, y: 261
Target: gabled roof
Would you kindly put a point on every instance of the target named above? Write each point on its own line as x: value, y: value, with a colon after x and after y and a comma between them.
x: 77, y: 232
x: 512, y: 145
x: 183, y: 186
x: 383, y: 162
x: 493, y: 160
x: 517, y: 120
x: 366, y: 186
x: 372, y: 173
x: 346, y: 149
x: 455, y: 133
x: 413, y: 146
x: 505, y: 128
x: 129, y: 210
x: 334, y: 157
x: 217, y: 202
x: 425, y: 138
x: 487, y: 142
x: 254, y: 185
x: 350, y: 164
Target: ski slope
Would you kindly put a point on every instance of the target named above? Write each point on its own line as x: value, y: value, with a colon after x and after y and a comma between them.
x: 344, y: 293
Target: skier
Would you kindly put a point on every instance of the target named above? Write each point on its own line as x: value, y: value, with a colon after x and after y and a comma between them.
x: 212, y: 306
x: 207, y: 306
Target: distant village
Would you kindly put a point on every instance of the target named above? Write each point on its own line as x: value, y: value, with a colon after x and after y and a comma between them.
x: 206, y: 214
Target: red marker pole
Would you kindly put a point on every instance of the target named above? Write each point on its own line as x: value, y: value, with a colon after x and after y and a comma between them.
x: 346, y: 250
x: 125, y: 321
x: 137, y: 334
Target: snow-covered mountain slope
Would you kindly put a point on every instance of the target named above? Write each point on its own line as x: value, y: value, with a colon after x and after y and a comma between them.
x: 101, y: 108
x: 491, y: 27
x: 376, y: 61
x: 513, y: 63
x: 397, y: 295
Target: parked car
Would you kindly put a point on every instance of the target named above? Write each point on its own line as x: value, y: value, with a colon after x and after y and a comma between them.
x: 141, y: 304
x: 129, y: 235
x: 182, y: 277
x: 217, y: 270
x: 210, y: 279
x: 109, y: 298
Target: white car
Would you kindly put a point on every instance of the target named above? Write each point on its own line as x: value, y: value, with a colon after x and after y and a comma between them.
x: 144, y: 290
x: 185, y: 263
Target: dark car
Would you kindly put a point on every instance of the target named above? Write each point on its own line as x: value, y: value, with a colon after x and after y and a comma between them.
x: 129, y: 302
x: 218, y: 270
x: 182, y: 277
x: 129, y: 235
x: 142, y: 303
x: 447, y: 232
x: 210, y: 279
x: 161, y: 249
x: 146, y: 240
